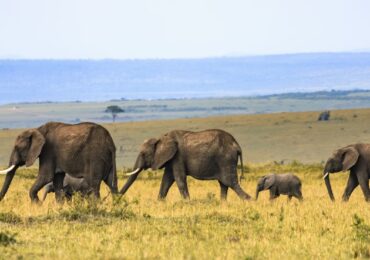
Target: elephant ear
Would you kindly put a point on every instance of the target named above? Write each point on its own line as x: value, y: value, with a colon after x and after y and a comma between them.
x: 165, y: 149
x: 37, y: 142
x: 350, y: 157
x: 269, y: 181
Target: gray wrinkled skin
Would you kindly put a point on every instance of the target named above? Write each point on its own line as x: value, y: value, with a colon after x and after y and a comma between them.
x: 70, y: 186
x: 206, y: 155
x: 286, y: 184
x: 356, y: 159
x: 84, y: 150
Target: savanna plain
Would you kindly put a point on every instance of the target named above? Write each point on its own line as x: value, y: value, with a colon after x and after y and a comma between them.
x: 139, y: 226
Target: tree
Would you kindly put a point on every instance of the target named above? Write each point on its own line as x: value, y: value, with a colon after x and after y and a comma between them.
x: 114, y: 110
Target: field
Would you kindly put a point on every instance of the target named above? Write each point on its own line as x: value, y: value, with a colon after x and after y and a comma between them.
x: 139, y: 226
x: 263, y: 137
x: 24, y: 115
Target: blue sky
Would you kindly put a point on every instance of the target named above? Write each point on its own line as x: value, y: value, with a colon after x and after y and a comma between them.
x: 138, y: 29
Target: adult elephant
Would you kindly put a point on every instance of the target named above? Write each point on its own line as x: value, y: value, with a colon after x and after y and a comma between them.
x: 84, y: 150
x: 205, y: 155
x: 356, y: 159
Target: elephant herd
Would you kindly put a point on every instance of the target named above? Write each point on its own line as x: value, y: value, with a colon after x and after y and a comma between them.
x: 78, y: 157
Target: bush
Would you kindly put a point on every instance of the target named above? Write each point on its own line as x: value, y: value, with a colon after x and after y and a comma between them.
x: 7, y: 239
x: 361, y: 229
x: 10, y: 218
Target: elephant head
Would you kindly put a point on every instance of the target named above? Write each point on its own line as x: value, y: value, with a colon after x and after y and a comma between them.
x: 342, y: 160
x: 154, y: 153
x: 265, y: 183
x: 27, y: 149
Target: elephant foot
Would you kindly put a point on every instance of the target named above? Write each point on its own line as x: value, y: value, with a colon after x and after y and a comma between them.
x: 36, y: 201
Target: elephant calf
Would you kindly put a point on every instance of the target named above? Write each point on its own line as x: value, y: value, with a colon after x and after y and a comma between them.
x: 70, y: 186
x: 287, y: 184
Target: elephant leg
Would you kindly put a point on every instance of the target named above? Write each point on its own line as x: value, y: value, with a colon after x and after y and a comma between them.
x: 95, y: 172
x: 167, y: 181
x: 58, y: 186
x: 240, y: 192
x: 45, y: 176
x: 180, y: 178
x: 273, y: 193
x: 182, y: 185
x: 298, y: 195
x: 96, y: 189
x: 224, y: 189
x: 92, y: 187
x: 363, y: 180
x: 230, y: 179
x: 111, y: 182
x: 352, y: 183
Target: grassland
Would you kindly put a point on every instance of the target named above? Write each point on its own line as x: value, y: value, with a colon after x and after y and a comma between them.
x: 263, y: 137
x: 139, y: 226
x: 33, y: 114
x: 203, y: 228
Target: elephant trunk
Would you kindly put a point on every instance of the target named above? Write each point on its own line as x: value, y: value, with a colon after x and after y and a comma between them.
x: 129, y: 182
x: 14, y: 163
x: 328, y: 186
x: 257, y: 192
x: 138, y: 168
x: 7, y: 182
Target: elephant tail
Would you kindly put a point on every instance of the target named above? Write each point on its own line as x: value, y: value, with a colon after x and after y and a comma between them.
x: 114, y: 173
x: 240, y: 154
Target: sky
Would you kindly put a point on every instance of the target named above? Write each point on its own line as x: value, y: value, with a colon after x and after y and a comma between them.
x: 141, y: 29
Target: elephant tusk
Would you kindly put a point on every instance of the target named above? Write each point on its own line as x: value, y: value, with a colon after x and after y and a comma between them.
x: 7, y: 170
x: 134, y: 172
x: 325, y: 175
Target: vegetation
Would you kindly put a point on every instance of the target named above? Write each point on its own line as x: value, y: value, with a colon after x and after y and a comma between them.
x: 280, y: 137
x: 33, y: 114
x: 139, y: 226
x: 114, y: 110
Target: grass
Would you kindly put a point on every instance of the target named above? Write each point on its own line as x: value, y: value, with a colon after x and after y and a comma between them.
x: 263, y: 138
x: 139, y: 226
x: 33, y: 114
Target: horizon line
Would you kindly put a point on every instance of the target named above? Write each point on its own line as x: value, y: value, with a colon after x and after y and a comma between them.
x: 187, y: 58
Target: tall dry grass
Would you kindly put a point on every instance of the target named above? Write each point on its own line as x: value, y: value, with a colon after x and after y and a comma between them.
x: 139, y: 226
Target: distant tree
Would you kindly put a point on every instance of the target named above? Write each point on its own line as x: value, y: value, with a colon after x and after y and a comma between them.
x: 114, y: 110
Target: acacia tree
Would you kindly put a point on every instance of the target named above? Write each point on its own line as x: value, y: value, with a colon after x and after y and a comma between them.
x: 114, y: 110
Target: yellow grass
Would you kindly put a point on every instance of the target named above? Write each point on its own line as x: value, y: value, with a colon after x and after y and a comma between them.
x: 203, y: 228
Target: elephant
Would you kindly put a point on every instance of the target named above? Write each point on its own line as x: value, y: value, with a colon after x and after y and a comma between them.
x: 356, y: 159
x: 324, y: 116
x: 205, y: 155
x: 85, y: 150
x: 70, y: 186
x: 287, y: 184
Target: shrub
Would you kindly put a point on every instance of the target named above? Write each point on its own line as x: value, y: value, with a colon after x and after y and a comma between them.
x: 7, y: 238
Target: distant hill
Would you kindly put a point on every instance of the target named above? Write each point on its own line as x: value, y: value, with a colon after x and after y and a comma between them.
x: 91, y: 80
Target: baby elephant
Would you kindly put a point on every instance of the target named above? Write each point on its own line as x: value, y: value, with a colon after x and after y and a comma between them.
x: 287, y: 184
x: 70, y: 186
